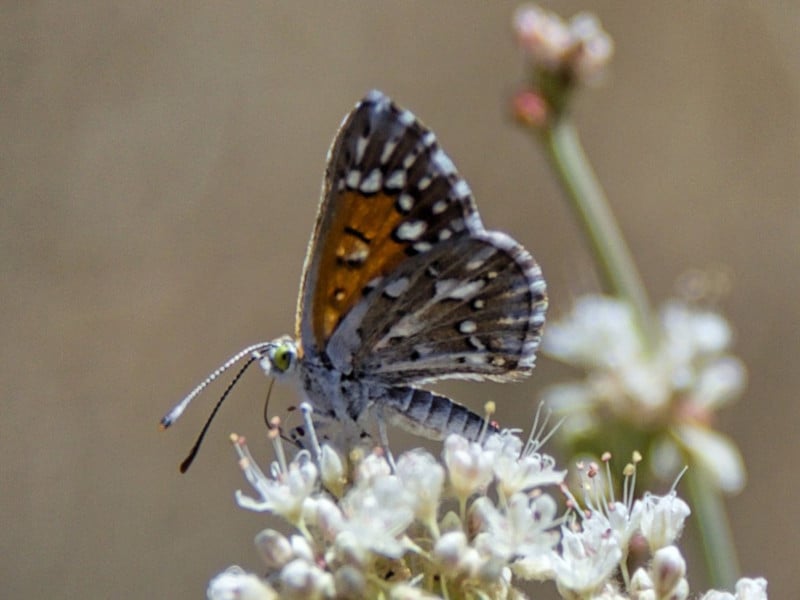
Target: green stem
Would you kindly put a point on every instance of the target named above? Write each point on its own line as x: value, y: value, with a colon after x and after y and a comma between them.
x: 615, y: 262
x: 722, y: 564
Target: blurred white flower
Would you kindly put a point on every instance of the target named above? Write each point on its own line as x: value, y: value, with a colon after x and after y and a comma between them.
x: 671, y: 389
x: 301, y: 579
x: 235, y: 584
x: 716, y: 454
x: 578, y: 48
x: 746, y: 589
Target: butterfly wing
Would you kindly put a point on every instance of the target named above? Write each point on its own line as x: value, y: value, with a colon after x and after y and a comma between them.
x: 403, y: 283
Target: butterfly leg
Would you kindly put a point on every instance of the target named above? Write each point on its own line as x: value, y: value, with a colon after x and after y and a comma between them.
x: 383, y: 437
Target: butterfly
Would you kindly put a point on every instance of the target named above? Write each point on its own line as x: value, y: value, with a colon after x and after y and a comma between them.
x: 401, y: 286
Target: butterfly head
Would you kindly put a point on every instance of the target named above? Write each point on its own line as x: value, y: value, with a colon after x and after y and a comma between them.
x: 279, y: 357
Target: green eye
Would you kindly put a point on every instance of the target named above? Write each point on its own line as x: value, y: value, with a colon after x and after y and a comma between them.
x: 282, y: 358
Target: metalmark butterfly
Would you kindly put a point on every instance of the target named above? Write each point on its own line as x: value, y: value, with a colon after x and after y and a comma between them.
x: 401, y: 286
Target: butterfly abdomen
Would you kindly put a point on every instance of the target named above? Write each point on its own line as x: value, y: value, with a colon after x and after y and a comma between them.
x: 430, y: 415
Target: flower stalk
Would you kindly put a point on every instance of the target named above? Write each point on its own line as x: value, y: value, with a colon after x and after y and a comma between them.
x: 591, y: 208
x: 562, y: 56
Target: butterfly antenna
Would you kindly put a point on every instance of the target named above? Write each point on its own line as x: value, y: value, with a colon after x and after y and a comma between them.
x: 174, y: 414
x: 266, y: 404
x: 187, y: 462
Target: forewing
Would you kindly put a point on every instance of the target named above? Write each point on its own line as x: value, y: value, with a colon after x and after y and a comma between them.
x: 389, y: 194
x: 404, y: 284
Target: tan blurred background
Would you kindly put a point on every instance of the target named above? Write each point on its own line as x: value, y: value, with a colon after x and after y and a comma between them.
x: 159, y: 174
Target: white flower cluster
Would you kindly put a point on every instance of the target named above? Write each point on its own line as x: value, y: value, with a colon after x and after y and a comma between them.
x: 674, y: 387
x: 475, y: 524
x: 579, y: 48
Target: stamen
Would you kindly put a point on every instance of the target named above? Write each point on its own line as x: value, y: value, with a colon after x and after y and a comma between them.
x: 274, y: 435
x: 488, y: 410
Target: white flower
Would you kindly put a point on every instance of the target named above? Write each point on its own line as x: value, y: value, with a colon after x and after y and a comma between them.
x: 668, y: 571
x: 235, y: 584
x: 285, y: 493
x: 716, y: 454
x: 275, y: 549
x: 454, y: 554
x: 662, y: 519
x: 301, y: 579
x: 518, y: 470
x: 324, y: 514
x: 542, y: 34
x: 423, y: 479
x: 523, y: 528
x: 746, y: 589
x: 378, y: 510
x: 624, y: 521
x: 588, y: 557
x: 374, y: 465
x: 332, y: 470
x: 469, y: 466
x: 580, y: 47
x: 751, y: 589
x: 623, y: 516
x: 348, y: 549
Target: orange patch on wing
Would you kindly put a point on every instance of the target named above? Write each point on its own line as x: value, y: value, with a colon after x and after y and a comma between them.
x: 358, y: 247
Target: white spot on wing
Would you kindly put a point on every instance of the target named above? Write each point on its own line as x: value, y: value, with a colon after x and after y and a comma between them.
x: 443, y: 287
x: 467, y: 326
x: 439, y: 207
x: 357, y: 256
x: 388, y: 148
x: 464, y: 291
x: 407, y: 118
x: 410, y: 231
x: 410, y: 159
x: 441, y: 160
x: 422, y: 247
x: 372, y: 183
x: 461, y: 189
x: 361, y: 146
x: 405, y: 327
x: 353, y: 178
x: 396, y: 179
x: 405, y: 202
x: 396, y: 288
